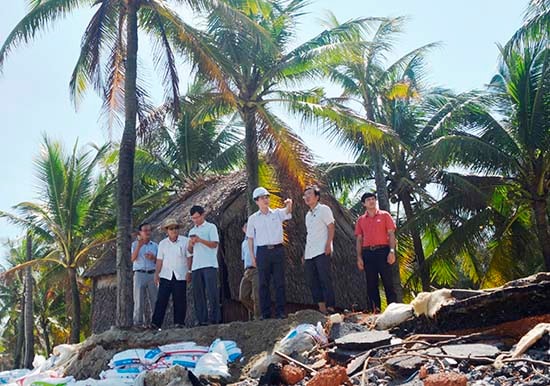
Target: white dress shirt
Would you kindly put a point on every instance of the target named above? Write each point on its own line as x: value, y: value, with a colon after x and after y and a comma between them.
x: 174, y: 256
x: 267, y: 229
x: 317, y: 221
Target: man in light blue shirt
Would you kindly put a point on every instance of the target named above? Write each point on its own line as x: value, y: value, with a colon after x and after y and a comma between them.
x: 203, y: 243
x: 144, y: 256
x: 249, y: 294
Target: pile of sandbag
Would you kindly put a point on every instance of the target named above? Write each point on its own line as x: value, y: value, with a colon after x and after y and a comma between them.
x: 185, y: 354
x: 125, y: 367
x: 7, y: 377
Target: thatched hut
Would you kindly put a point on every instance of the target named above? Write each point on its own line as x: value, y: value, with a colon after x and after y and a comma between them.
x: 225, y: 203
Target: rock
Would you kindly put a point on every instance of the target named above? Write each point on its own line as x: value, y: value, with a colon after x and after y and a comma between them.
x: 291, y: 375
x: 339, y: 330
x: 318, y: 364
x: 174, y: 376
x: 404, y: 367
x: 450, y: 362
x: 471, y: 350
x: 333, y: 376
x: 364, y: 340
x: 446, y: 379
x: 97, y: 359
x: 357, y: 363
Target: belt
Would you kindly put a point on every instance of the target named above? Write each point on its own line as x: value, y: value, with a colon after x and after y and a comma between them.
x: 247, y: 268
x: 375, y: 247
x: 271, y: 246
x: 144, y: 271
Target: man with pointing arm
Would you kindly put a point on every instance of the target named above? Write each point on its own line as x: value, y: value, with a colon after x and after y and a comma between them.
x: 265, y: 230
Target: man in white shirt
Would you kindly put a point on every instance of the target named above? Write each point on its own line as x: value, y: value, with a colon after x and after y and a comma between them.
x: 320, y: 233
x: 172, y: 273
x: 144, y: 257
x: 265, y: 230
x: 203, y: 243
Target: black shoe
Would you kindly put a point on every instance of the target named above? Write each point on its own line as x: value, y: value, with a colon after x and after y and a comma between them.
x: 281, y: 316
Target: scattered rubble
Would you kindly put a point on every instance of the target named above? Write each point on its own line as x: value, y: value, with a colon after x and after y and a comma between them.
x: 309, y: 349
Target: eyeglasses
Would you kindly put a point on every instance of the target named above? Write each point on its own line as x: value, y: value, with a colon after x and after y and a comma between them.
x: 172, y: 228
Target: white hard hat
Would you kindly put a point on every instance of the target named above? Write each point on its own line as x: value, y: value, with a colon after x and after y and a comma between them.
x: 259, y: 191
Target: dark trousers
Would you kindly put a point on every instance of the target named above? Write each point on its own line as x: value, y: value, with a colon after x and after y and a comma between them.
x: 318, y: 276
x: 376, y: 264
x: 178, y: 290
x: 270, y: 263
x: 206, y: 297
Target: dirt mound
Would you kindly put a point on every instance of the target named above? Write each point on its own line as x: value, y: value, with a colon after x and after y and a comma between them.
x: 254, y: 337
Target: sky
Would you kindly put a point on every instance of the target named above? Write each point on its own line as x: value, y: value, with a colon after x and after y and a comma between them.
x: 34, y: 92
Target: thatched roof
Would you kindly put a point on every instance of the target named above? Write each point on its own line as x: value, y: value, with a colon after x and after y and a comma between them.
x: 105, y: 265
x: 225, y: 203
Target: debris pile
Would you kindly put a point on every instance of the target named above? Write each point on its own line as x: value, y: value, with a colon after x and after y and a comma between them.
x: 410, y: 345
x: 414, y: 345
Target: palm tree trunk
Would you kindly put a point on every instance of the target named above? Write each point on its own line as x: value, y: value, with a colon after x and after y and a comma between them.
x: 380, y: 179
x: 20, y: 337
x: 251, y: 143
x: 29, y: 314
x: 75, y: 305
x: 417, y: 244
x: 44, y: 326
x: 540, y: 208
x: 384, y: 204
x: 126, y: 173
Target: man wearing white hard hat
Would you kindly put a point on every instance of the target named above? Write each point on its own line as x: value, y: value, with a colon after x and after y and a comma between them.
x: 265, y: 232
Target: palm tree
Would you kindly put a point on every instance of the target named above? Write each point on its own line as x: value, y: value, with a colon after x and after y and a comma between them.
x: 12, y: 303
x: 199, y: 142
x: 14, y: 297
x: 509, y: 134
x: 73, y: 214
x: 113, y: 31
x: 415, y: 118
x: 29, y: 313
x: 260, y: 68
x: 536, y: 22
x: 381, y: 93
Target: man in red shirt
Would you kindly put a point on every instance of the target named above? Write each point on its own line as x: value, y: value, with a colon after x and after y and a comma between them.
x: 375, y: 232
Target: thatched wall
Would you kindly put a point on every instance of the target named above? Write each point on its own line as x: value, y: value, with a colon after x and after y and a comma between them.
x: 103, y: 304
x: 225, y: 204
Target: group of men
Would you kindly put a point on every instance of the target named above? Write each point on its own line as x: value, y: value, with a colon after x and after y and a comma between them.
x: 164, y: 271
